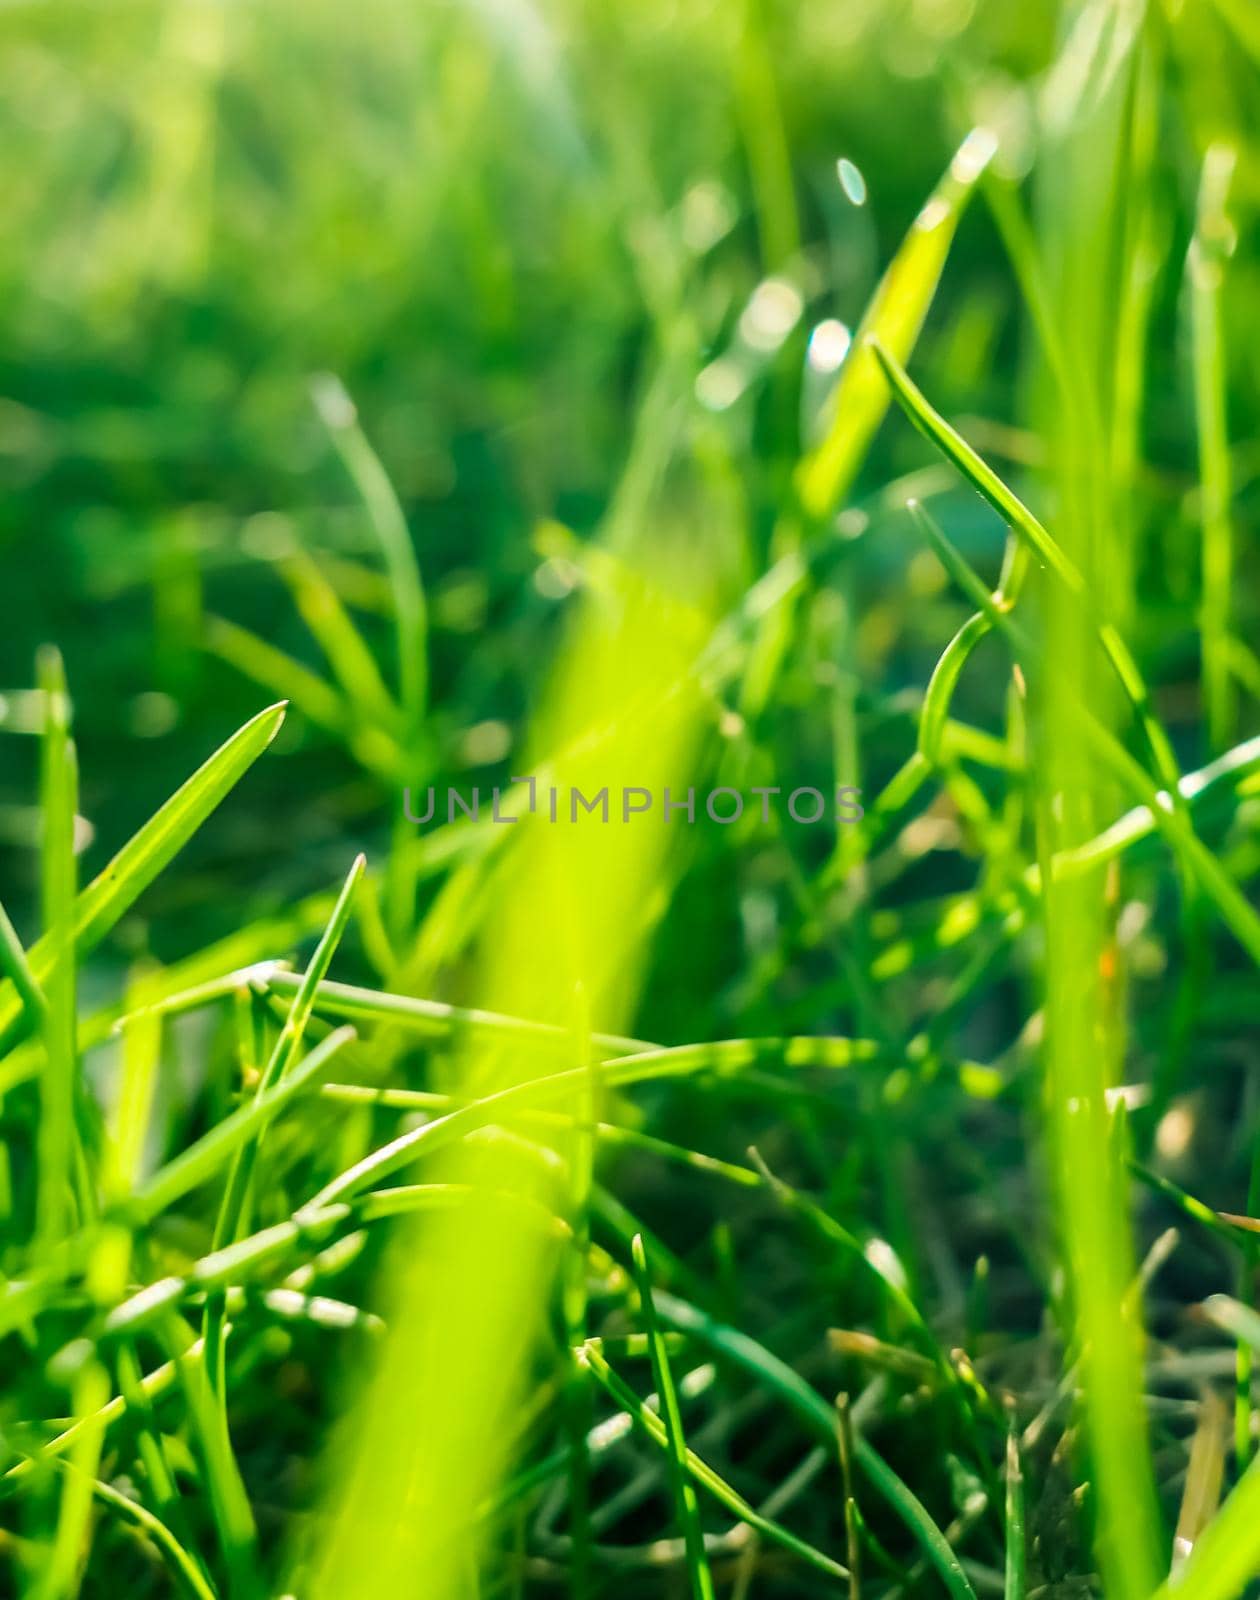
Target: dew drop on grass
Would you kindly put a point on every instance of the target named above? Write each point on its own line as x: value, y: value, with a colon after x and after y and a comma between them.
x: 851, y: 181
x: 828, y: 345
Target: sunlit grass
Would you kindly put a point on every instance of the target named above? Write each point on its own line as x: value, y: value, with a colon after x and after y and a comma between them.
x: 554, y: 401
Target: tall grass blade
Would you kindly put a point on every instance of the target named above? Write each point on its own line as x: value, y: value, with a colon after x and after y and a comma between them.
x: 59, y: 1085
x: 671, y: 1415
x: 1209, y: 251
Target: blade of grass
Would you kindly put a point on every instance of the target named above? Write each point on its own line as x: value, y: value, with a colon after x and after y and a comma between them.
x: 671, y: 1415
x: 1016, y: 1581
x: 1209, y: 251
x: 934, y: 718
x: 186, y: 1570
x: 133, y: 869
x: 590, y: 1358
x: 15, y: 966
x: 343, y: 645
x: 435, y: 1017
x: 338, y: 413
x: 1170, y: 819
x: 730, y: 1055
x: 810, y: 1407
x: 1089, y: 189
x: 1025, y: 525
x: 858, y: 403
x: 309, y: 694
x: 59, y: 1083
x: 234, y: 1208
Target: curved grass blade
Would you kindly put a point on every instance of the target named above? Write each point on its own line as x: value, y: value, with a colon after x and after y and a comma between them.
x: 728, y: 1055
x: 1170, y: 816
x: 944, y: 680
x: 16, y: 967
x: 676, y: 1443
x: 184, y: 1567
x: 820, y: 1417
x: 1026, y: 526
x: 435, y: 1017
x: 591, y: 1359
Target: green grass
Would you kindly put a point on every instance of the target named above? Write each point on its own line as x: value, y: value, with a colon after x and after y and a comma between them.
x: 755, y: 396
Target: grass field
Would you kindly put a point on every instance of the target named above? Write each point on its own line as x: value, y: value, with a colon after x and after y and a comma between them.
x: 742, y: 402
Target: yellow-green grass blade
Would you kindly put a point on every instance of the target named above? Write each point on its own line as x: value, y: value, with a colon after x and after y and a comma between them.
x: 895, y: 315
x: 859, y: 401
x: 934, y: 720
x: 17, y: 968
x: 726, y: 1056
x: 316, y: 699
x: 1026, y: 526
x: 1171, y: 817
x: 1087, y: 124
x: 195, y: 1165
x: 343, y: 645
x: 117, y: 887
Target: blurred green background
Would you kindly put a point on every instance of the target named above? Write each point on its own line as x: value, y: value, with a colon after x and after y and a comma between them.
x: 502, y: 227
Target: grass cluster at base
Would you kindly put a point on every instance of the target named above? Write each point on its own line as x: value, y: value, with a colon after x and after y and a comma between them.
x: 845, y: 411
